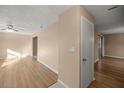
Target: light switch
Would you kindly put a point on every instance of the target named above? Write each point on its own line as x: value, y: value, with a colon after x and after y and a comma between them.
x: 72, y: 50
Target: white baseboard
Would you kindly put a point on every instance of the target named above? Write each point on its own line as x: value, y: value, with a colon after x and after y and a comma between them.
x: 96, y: 60
x: 114, y: 56
x: 47, y: 66
x: 61, y: 82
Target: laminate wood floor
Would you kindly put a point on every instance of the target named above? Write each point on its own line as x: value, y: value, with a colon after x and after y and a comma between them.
x: 25, y: 73
x: 109, y: 73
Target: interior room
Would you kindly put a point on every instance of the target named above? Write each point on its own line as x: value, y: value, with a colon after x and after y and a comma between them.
x: 61, y: 46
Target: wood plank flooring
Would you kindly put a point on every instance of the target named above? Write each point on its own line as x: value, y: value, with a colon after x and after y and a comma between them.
x: 109, y: 73
x: 25, y: 73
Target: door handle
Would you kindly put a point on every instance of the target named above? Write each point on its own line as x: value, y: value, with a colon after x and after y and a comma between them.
x: 84, y: 59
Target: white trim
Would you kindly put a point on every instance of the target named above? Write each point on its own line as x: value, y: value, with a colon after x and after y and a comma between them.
x: 114, y: 56
x: 96, y: 60
x: 61, y: 82
x: 47, y: 66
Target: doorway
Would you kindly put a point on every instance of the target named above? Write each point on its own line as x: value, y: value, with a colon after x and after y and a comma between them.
x: 101, y: 46
x: 87, y: 52
x: 35, y: 44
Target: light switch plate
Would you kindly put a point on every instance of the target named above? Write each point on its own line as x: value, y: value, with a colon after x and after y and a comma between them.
x: 72, y: 50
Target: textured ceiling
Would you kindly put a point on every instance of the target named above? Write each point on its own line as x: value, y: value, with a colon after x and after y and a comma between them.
x: 30, y: 17
x: 107, y: 20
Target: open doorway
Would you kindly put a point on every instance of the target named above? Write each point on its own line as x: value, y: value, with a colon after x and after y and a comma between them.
x: 101, y: 46
x: 35, y: 44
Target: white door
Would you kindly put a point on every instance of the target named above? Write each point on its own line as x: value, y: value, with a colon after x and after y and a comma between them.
x: 87, y: 52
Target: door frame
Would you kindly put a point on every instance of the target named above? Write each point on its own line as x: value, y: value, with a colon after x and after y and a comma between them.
x: 81, y: 46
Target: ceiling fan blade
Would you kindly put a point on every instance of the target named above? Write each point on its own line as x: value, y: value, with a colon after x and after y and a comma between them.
x: 15, y: 30
x: 3, y: 29
x: 21, y: 29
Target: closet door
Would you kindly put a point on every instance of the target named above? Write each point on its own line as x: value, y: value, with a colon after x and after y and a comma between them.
x: 87, y: 52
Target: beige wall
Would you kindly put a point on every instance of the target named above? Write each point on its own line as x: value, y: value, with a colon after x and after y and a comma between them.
x: 48, y: 46
x: 69, y: 37
x: 114, y: 45
x: 17, y: 44
x: 56, y: 41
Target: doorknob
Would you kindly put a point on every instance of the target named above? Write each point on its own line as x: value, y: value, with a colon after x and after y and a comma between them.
x: 84, y: 59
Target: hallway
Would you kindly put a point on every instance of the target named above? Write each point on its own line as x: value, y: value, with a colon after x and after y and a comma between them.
x: 109, y: 73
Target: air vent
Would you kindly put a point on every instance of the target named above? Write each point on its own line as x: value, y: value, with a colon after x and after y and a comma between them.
x: 114, y: 7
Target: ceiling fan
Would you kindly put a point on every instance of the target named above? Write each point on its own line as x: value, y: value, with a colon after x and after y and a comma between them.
x: 10, y: 28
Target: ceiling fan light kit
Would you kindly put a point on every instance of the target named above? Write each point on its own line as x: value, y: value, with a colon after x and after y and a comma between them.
x: 9, y: 30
